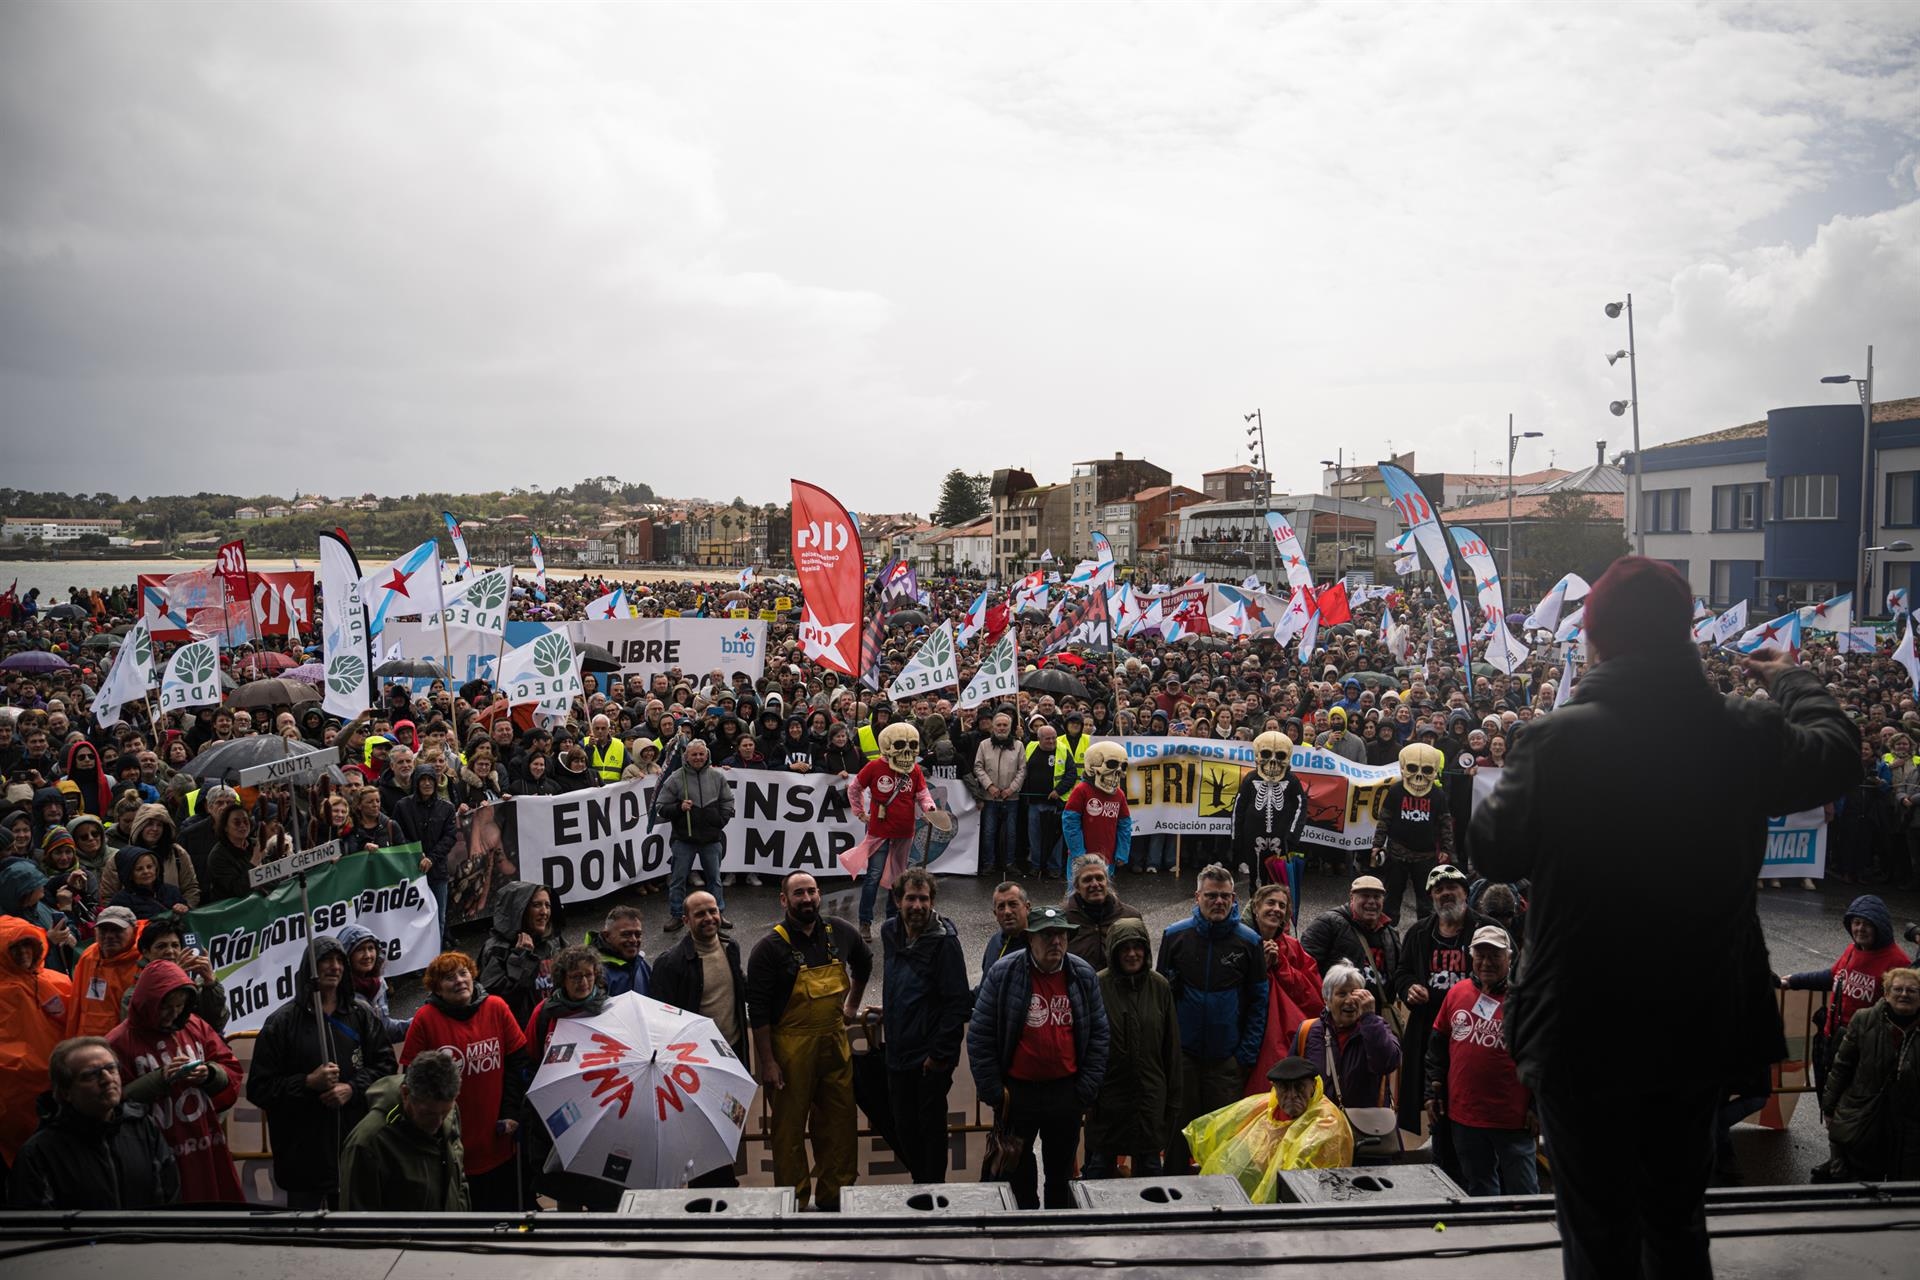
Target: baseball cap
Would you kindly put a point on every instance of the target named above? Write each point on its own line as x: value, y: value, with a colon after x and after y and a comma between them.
x: 1491, y: 935
x: 115, y: 917
x: 1365, y: 884
x: 1049, y: 918
x: 1445, y: 871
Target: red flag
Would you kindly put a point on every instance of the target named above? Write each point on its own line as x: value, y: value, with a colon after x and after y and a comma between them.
x: 1334, y: 608
x: 832, y: 573
x: 997, y: 621
x: 231, y: 564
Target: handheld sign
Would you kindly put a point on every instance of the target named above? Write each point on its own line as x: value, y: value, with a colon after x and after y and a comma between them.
x: 306, y: 767
x: 305, y: 860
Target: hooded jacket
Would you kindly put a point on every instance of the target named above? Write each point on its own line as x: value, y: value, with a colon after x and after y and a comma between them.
x: 123, y: 1162
x: 188, y: 1115
x: 1000, y: 1015
x: 712, y: 798
x: 622, y: 975
x: 1853, y: 981
x: 96, y: 788
x: 351, y: 936
x: 1219, y: 977
x: 926, y: 999
x: 518, y: 976
x: 1139, y: 1100
x: 19, y: 878
x: 1872, y: 1093
x: 1093, y: 940
x: 1743, y: 760
x: 100, y: 986
x: 306, y: 1134
x: 34, y: 1006
x: 176, y: 867
x: 153, y: 900
x: 1335, y: 937
x: 389, y: 1166
x: 487, y: 1042
x: 428, y: 819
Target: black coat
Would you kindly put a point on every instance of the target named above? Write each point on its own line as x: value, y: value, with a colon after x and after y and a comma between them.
x: 1333, y: 937
x: 433, y: 823
x: 1651, y: 778
x: 77, y: 1163
x: 679, y: 980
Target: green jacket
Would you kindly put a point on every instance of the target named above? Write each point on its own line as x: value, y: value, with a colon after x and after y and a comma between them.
x: 1873, y: 1094
x: 1139, y: 1100
x: 387, y: 1164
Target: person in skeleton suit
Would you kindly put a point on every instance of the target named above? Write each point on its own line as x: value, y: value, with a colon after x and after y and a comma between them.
x: 1415, y: 831
x: 1096, y: 819
x: 888, y: 795
x: 1269, y: 813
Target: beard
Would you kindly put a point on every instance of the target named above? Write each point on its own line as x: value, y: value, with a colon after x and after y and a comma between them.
x: 805, y: 912
x: 1451, y: 914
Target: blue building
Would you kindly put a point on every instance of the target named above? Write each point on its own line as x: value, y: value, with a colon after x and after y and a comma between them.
x: 1770, y: 512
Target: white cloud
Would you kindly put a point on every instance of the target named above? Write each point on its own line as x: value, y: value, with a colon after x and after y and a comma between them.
x: 711, y: 247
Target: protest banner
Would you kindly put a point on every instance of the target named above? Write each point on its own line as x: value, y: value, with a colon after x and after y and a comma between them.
x: 474, y: 654
x: 1797, y: 845
x: 258, y: 944
x: 644, y: 646
x: 1186, y: 786
x: 282, y: 603
x: 588, y: 843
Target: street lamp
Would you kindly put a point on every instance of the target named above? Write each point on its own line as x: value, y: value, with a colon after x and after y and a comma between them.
x: 1257, y: 446
x: 1339, y: 464
x: 1513, y: 445
x: 1619, y: 407
x: 1865, y: 563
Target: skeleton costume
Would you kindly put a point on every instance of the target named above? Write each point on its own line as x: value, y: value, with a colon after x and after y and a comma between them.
x: 888, y: 795
x: 1269, y: 813
x: 1096, y: 818
x: 1415, y: 831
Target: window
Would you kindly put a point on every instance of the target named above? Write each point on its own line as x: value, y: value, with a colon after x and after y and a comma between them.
x: 1903, y: 499
x: 1666, y: 510
x: 1738, y: 506
x: 1810, y: 497
x: 1680, y: 567
x: 1720, y: 583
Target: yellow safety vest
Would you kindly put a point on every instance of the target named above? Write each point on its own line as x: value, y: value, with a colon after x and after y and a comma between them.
x: 869, y: 744
x: 1059, y: 760
x: 1078, y: 752
x: 611, y: 762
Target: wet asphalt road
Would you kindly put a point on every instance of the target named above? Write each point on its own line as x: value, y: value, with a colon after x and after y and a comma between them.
x: 1803, y: 931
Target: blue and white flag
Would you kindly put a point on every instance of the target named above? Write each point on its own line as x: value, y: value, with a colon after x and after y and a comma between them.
x: 1731, y: 623
x: 459, y: 537
x: 1546, y: 615
x: 1782, y: 635
x: 403, y: 588
x: 1829, y: 615
x: 976, y: 619
x: 1858, y: 640
x: 1904, y: 656
x: 611, y: 605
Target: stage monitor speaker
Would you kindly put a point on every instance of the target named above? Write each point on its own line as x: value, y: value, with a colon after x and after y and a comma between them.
x: 907, y: 1200
x: 1370, y: 1183
x: 1160, y: 1195
x: 693, y: 1202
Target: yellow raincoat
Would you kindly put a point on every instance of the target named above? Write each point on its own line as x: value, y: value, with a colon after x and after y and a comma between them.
x: 1252, y: 1141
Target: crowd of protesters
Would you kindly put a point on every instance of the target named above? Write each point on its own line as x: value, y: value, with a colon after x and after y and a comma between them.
x: 1380, y: 1019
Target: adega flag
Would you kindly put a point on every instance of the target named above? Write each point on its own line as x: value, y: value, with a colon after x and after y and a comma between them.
x: 935, y: 666
x: 832, y: 572
x: 1428, y: 534
x: 998, y: 676
x: 258, y: 944
x: 192, y: 678
x: 129, y: 678
x: 344, y: 646
x: 403, y: 588
x: 475, y: 603
x: 543, y: 671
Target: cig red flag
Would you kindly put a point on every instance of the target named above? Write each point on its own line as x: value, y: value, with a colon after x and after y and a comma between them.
x: 231, y: 564
x: 1335, y: 608
x: 832, y: 573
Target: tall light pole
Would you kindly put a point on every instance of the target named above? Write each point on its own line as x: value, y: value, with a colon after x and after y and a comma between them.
x: 1619, y: 407
x: 1513, y: 446
x: 1257, y: 445
x: 1339, y: 464
x: 1864, y: 585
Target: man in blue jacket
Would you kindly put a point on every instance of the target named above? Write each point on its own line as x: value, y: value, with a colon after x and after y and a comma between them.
x: 1038, y: 1045
x: 1219, y: 976
x: 925, y: 1011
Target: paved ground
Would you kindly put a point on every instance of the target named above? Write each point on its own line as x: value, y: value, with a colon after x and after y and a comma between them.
x: 1803, y: 932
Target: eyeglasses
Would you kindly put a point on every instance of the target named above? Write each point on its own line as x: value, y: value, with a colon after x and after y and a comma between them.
x: 92, y: 1074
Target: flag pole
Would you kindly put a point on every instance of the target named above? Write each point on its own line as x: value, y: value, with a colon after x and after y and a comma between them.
x: 446, y: 644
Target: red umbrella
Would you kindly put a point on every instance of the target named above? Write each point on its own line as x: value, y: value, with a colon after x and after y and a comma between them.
x: 269, y: 662
x: 1064, y: 659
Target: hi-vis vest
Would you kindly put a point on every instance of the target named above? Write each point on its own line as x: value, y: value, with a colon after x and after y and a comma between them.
x: 869, y: 743
x: 609, y: 763
x: 1078, y: 751
x: 1060, y: 757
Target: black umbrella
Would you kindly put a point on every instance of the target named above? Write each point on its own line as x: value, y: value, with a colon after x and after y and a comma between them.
x: 66, y: 611
x: 1034, y: 615
x: 217, y: 764
x: 907, y: 618
x: 105, y: 640
x: 596, y: 657
x: 410, y: 668
x: 274, y: 693
x: 1055, y: 681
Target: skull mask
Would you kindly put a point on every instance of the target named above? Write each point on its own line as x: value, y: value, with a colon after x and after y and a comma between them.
x: 900, y: 747
x: 1419, y: 767
x: 1272, y: 756
x: 1106, y: 765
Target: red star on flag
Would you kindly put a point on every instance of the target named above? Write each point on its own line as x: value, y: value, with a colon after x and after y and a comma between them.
x: 399, y: 584
x: 608, y: 613
x: 1768, y: 632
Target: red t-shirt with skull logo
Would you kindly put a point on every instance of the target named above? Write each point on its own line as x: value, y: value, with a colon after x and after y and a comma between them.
x: 1100, y: 813
x: 877, y: 784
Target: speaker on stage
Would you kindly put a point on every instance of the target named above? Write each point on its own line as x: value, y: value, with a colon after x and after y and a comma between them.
x: 1368, y: 1184
x: 722, y: 1202
x: 1160, y: 1195
x: 908, y: 1200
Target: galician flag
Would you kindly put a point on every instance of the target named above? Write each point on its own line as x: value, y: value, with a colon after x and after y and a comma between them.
x: 1904, y: 656
x: 1831, y: 615
x: 192, y: 678
x: 976, y: 619
x: 935, y: 666
x: 539, y: 566
x: 746, y: 577
x: 129, y: 678
x: 459, y: 538
x: 611, y: 605
x: 1505, y: 651
x: 998, y: 676
x: 1782, y: 635
x: 544, y: 671
x: 1546, y: 615
x: 403, y: 588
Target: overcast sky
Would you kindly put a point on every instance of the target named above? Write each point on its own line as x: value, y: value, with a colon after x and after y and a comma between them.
x: 260, y: 247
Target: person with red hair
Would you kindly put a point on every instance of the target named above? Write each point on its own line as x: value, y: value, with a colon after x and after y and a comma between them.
x: 1649, y: 777
x: 479, y: 1033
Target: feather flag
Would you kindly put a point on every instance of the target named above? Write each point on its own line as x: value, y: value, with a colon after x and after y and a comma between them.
x: 1546, y: 615
x: 1486, y: 574
x: 1905, y: 657
x: 1293, y: 562
x: 1427, y: 533
x: 832, y: 570
x: 459, y: 536
x: 539, y: 566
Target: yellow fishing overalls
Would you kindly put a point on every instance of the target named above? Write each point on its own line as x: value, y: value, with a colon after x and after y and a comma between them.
x: 810, y: 1044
